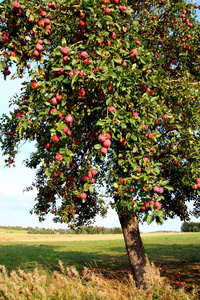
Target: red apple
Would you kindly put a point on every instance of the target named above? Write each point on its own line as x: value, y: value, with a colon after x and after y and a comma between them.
x: 104, y: 150
x: 4, y: 39
x: 122, y: 181
x: 109, y: 135
x: 53, y: 111
x: 61, y: 114
x: 135, y: 114
x: 82, y: 23
x: 56, y: 138
x: 83, y: 195
x: 81, y: 92
x: 84, y: 178
x: 164, y: 117
x: 41, y: 23
x: 47, y: 22
x: 48, y: 145
x: 43, y: 13
x: 110, y: 89
x: 66, y: 129
x: 64, y: 51
x: 111, y: 108
x: 54, y: 101
x: 107, y: 143
x: 198, y: 181
x: 84, y: 54
x: 59, y: 156
x: 101, y: 138
x: 40, y: 42
x: 69, y: 133
x: 156, y: 189
x: 68, y: 119
x: 90, y: 174
x: 195, y: 187
x: 58, y: 97
x: 70, y: 73
x: 15, y: 4
x: 94, y: 172
x: 150, y: 135
x: 39, y: 47
x: 158, y: 205
x: 33, y: 85
x: 107, y: 10
x: 36, y: 53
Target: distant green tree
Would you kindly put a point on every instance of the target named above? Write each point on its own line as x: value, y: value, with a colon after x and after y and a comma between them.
x: 190, y: 227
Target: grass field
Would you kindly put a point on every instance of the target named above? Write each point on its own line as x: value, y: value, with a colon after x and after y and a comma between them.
x: 176, y: 255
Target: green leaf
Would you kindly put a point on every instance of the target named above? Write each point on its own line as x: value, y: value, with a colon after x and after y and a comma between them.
x: 97, y: 146
x: 64, y: 42
x: 123, y: 125
x: 39, y: 83
x: 135, y: 149
x: 15, y: 59
x: 107, y: 18
x: 115, y: 185
x: 73, y: 80
x: 31, y: 17
x: 150, y: 219
x: 25, y: 125
x: 100, y: 123
x: 91, y: 188
x: 164, y: 182
x: 67, y: 159
x: 168, y: 187
x: 28, y: 12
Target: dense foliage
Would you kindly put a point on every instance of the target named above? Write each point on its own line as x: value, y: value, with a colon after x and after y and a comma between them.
x: 111, y: 95
x: 80, y: 230
x: 190, y: 227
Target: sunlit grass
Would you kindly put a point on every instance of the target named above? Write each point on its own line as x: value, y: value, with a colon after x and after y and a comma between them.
x: 70, y: 284
x: 176, y: 256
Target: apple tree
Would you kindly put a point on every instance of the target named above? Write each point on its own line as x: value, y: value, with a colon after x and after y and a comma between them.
x: 111, y: 100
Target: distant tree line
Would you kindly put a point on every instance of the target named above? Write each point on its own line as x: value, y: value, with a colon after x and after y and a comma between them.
x: 190, y: 227
x: 80, y: 230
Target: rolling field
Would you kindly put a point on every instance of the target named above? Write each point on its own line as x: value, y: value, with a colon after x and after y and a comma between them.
x: 177, y: 255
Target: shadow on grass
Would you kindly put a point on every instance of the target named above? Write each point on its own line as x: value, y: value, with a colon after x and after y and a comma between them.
x: 177, y: 263
x: 29, y: 256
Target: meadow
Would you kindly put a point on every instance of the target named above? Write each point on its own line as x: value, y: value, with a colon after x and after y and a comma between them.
x: 175, y: 255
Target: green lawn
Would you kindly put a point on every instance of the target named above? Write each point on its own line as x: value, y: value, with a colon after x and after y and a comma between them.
x: 177, y: 256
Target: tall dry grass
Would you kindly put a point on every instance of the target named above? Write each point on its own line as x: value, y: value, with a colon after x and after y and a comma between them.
x: 69, y: 284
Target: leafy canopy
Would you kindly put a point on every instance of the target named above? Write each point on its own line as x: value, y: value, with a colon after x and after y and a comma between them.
x: 110, y: 97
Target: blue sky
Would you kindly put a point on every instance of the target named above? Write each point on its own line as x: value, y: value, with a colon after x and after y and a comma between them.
x: 15, y: 205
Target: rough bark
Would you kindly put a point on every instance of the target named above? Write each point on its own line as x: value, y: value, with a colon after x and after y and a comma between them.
x: 141, y: 268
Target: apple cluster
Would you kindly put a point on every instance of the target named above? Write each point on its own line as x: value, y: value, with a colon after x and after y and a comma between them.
x: 106, y: 142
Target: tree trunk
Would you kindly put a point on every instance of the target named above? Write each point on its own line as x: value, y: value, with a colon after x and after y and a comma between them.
x: 142, y: 270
